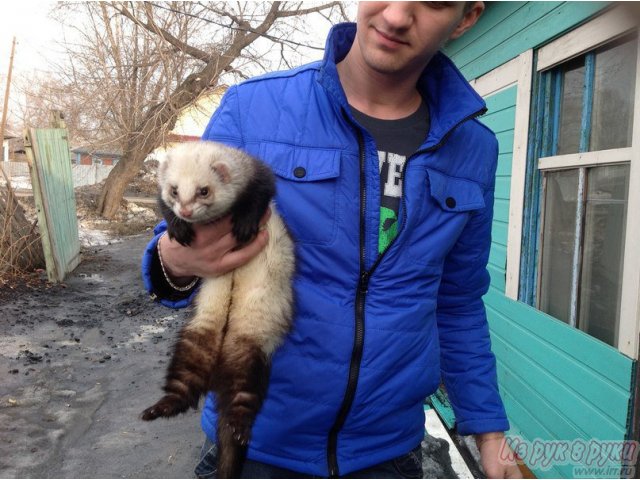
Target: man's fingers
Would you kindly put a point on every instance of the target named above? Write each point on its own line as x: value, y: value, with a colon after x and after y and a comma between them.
x: 214, y: 230
x: 237, y: 258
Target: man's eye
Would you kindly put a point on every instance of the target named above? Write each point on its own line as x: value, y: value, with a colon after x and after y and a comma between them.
x: 438, y: 5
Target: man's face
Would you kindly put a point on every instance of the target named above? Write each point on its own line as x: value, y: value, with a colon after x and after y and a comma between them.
x: 401, y: 37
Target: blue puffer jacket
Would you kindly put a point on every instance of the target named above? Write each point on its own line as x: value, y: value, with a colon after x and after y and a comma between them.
x: 373, y: 334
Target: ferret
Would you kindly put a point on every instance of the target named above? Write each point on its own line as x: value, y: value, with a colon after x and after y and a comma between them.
x: 241, y: 317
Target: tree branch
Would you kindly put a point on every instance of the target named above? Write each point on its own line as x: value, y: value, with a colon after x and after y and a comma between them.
x: 164, y: 34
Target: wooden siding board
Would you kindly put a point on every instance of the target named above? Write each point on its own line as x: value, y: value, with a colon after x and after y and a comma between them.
x: 500, y: 101
x: 506, y: 35
x: 527, y: 423
x: 504, y: 164
x: 501, y: 121
x: 494, y: 15
x: 498, y: 256
x: 583, y: 348
x: 503, y: 187
x: 501, y: 210
x: 530, y: 26
x: 499, y: 233
x: 597, y: 389
x: 498, y: 280
x: 569, y: 404
x: 505, y: 141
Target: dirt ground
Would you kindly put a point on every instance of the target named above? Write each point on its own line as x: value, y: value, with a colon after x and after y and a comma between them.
x: 78, y: 364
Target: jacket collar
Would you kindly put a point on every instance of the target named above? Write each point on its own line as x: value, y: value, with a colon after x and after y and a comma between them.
x: 450, y: 97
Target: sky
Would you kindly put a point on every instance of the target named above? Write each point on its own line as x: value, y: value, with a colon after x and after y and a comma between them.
x: 35, y: 34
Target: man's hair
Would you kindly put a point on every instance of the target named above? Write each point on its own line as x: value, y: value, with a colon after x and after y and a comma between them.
x: 468, y: 6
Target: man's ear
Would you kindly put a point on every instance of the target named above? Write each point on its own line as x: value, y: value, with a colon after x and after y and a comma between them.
x: 471, y: 16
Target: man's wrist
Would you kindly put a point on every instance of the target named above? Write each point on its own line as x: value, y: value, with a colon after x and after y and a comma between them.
x: 177, y: 282
x: 484, y: 437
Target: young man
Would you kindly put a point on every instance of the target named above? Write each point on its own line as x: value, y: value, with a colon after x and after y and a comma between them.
x: 386, y: 181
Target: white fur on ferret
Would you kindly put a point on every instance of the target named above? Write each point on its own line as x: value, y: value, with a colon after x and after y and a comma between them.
x: 255, y: 300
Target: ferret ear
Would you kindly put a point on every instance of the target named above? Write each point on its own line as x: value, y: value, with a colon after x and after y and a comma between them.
x: 162, y: 168
x: 222, y: 169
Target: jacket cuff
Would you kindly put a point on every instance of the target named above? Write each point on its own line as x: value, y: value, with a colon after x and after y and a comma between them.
x: 154, y: 280
x: 473, y: 427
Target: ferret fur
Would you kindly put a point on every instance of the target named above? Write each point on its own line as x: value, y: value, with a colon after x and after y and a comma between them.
x: 240, y: 318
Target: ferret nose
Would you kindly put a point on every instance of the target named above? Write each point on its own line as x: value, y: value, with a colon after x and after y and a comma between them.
x: 186, y: 212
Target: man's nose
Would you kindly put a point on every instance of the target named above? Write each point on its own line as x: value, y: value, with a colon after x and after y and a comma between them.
x: 398, y: 15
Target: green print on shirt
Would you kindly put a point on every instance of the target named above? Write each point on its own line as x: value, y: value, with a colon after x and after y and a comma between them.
x: 388, y: 228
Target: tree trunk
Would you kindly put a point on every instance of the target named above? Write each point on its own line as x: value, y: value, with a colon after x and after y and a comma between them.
x: 117, y: 181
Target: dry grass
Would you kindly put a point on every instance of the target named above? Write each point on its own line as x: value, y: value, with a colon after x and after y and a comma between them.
x: 20, y: 246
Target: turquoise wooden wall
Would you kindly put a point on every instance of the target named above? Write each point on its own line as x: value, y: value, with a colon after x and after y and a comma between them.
x: 557, y: 382
x: 509, y: 28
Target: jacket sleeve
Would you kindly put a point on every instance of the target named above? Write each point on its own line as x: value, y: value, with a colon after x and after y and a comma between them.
x: 468, y: 367
x: 154, y: 279
x: 223, y: 127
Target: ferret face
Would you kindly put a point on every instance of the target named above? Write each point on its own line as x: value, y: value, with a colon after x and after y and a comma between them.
x: 195, y: 183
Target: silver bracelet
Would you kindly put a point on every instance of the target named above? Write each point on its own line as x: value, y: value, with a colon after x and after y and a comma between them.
x: 166, y: 275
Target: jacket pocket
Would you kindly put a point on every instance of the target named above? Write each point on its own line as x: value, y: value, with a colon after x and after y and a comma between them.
x: 306, y: 190
x: 454, y: 194
x: 449, y: 204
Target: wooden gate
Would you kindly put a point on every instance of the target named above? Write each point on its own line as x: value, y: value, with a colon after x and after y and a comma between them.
x: 50, y: 165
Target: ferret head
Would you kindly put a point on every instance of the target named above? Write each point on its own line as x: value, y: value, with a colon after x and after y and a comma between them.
x: 200, y: 181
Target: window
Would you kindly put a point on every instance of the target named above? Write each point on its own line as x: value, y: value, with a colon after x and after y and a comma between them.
x: 578, y: 185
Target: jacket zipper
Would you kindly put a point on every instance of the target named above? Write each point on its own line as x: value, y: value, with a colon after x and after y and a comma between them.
x: 362, y: 288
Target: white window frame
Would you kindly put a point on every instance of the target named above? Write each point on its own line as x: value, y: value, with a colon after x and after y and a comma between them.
x: 517, y: 72
x: 599, y: 31
x: 603, y: 29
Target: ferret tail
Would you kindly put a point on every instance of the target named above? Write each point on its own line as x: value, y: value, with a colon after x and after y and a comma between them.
x: 231, y: 452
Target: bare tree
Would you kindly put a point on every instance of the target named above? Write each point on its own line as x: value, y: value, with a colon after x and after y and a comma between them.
x: 133, y: 66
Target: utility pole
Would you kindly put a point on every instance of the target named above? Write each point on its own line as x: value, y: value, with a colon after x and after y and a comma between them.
x: 6, y: 97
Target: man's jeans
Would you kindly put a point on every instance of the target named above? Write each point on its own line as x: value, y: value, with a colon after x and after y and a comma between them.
x: 408, y: 465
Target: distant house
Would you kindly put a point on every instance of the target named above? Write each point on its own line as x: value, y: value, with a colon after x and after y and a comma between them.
x: 6, y: 147
x: 193, y: 120
x: 87, y: 156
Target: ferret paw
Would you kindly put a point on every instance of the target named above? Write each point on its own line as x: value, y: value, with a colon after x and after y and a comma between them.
x: 241, y: 414
x: 168, y: 406
x: 244, y: 230
x: 182, y: 232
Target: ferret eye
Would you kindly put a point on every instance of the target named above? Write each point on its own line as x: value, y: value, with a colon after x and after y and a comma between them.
x: 174, y: 191
x: 204, y: 191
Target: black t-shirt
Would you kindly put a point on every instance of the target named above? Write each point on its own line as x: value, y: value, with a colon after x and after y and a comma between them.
x: 396, y: 140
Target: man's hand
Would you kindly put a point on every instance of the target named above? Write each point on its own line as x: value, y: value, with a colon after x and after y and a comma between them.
x: 212, y: 251
x: 498, y: 460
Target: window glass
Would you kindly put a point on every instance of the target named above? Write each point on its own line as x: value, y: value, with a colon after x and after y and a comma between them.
x: 614, y: 87
x: 571, y: 106
x: 558, y: 243
x: 604, y: 233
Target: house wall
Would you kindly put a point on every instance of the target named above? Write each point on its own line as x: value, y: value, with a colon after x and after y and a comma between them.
x: 557, y: 382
